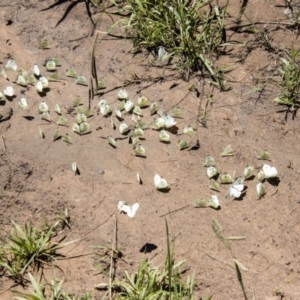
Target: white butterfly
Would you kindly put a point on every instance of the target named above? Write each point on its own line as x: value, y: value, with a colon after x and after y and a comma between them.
x: 44, y: 81
x: 36, y: 70
x: 160, y: 183
x: 129, y: 210
x: 11, y: 65
x: 270, y: 172
x: 236, y: 189
x: 169, y: 121
x: 213, y: 202
x: 9, y: 91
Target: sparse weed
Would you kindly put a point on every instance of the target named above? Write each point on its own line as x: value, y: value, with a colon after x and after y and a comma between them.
x: 28, y: 248
x: 52, y: 291
x: 290, y: 81
x: 107, y: 255
x: 65, y: 219
x: 154, y: 282
x: 187, y: 31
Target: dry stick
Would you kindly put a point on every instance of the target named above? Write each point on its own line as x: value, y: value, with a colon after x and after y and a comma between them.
x: 91, y: 92
x: 112, y: 267
x: 6, y: 152
x: 115, y: 88
x: 12, y: 286
x: 259, y: 23
x: 178, y: 101
x: 173, y: 211
x: 242, y: 10
x: 92, y: 230
x: 93, y: 74
x: 93, y: 66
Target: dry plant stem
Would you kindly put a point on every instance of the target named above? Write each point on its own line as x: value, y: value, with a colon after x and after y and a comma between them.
x: 3, y: 140
x: 12, y: 286
x: 112, y: 266
x: 101, y: 93
x: 242, y: 10
x: 173, y: 211
x: 93, y: 62
x: 258, y: 23
x: 89, y: 232
x: 91, y: 92
x: 175, y: 105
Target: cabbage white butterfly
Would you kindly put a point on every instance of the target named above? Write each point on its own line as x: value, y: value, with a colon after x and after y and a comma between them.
x: 169, y: 121
x: 160, y: 183
x: 260, y: 189
x: 9, y: 91
x: 36, y: 70
x: 129, y: 210
x: 270, y: 172
x: 236, y: 189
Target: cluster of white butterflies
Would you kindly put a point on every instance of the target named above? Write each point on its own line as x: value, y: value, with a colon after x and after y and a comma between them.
x: 160, y: 184
x: 237, y: 187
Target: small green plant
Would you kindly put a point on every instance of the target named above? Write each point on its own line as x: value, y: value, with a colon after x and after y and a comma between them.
x: 107, y: 257
x: 187, y: 31
x: 290, y: 81
x: 154, y: 282
x: 51, y: 291
x: 28, y: 248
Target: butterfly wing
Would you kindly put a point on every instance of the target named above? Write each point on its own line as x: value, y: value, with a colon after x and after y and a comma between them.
x: 157, y: 179
x: 121, y: 205
x: 269, y: 171
x: 238, y: 187
x: 233, y: 192
x: 162, y: 184
x: 131, y: 210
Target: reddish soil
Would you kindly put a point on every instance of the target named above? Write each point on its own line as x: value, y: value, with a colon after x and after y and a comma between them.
x: 37, y: 182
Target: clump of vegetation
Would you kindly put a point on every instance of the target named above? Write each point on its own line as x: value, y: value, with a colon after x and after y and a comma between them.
x: 28, y: 248
x: 184, y: 30
x: 290, y: 81
x: 154, y: 282
x: 53, y: 291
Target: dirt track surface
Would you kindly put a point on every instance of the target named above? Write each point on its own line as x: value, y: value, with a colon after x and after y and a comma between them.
x: 37, y: 182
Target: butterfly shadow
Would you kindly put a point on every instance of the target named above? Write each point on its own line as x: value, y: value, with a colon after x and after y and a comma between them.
x: 274, y: 181
x: 148, y: 248
x: 173, y: 130
x: 77, y: 172
x: 28, y: 118
x: 44, y: 92
x: 251, y: 177
x: 165, y: 191
x: 10, y: 98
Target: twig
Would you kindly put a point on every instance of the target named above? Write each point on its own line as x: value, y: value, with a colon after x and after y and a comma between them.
x: 257, y: 23
x: 115, y: 88
x: 6, y: 152
x: 92, y: 230
x: 93, y: 63
x: 112, y: 267
x: 15, y: 284
x: 173, y: 211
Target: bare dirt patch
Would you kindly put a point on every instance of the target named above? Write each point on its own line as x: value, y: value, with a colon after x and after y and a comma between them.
x: 37, y: 182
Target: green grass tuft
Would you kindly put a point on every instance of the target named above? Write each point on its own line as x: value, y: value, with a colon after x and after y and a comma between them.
x: 190, y: 32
